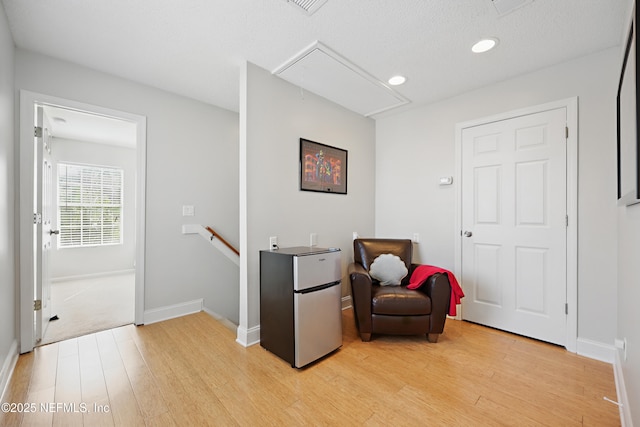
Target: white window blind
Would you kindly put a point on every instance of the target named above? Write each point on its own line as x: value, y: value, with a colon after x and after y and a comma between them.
x: 89, y: 205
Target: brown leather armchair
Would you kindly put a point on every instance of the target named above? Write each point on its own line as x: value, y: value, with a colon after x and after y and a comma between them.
x: 395, y: 310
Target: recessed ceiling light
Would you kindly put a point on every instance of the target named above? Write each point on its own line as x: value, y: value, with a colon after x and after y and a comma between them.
x: 484, y: 45
x: 397, y: 80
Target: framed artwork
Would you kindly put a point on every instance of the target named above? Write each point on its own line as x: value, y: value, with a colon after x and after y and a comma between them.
x: 322, y: 168
x: 627, y: 123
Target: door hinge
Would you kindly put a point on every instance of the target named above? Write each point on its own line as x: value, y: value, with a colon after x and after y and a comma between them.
x: 37, y: 218
x: 566, y: 220
x: 37, y: 131
x: 566, y: 132
x: 37, y: 305
x: 566, y: 308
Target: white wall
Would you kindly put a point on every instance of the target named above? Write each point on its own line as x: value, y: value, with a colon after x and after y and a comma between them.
x: 415, y: 148
x: 274, y: 116
x: 7, y: 203
x: 73, y: 262
x: 628, y: 315
x: 628, y: 296
x: 192, y: 158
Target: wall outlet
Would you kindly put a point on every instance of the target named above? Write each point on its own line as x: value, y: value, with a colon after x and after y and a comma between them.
x: 416, y: 238
x: 273, y: 243
x: 625, y: 349
x: 621, y: 344
x: 313, y: 239
x: 355, y: 235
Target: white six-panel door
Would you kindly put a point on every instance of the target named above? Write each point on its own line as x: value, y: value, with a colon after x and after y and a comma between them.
x: 514, y: 213
x: 43, y: 228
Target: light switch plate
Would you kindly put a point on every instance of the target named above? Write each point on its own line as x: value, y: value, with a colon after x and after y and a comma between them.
x: 188, y: 210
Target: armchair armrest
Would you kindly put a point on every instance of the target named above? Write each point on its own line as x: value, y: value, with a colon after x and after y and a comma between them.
x: 361, y: 298
x: 439, y: 290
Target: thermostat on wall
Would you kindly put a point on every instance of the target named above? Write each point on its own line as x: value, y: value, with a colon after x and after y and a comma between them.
x: 446, y: 180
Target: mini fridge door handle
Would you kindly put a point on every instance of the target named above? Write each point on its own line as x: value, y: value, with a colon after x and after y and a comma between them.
x: 319, y: 287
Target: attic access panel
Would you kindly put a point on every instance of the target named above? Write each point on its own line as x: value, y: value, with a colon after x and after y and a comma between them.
x: 504, y: 7
x: 324, y: 72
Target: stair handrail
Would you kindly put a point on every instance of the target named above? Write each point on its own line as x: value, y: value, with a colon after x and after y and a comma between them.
x: 219, y: 237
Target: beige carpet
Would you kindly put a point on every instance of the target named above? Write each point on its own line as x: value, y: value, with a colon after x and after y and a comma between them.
x: 90, y: 305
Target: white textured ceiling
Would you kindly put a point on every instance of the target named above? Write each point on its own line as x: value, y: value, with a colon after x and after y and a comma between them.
x: 82, y: 126
x: 195, y: 47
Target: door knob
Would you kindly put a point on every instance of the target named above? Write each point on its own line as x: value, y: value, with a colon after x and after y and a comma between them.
x: 468, y: 234
x: 51, y: 232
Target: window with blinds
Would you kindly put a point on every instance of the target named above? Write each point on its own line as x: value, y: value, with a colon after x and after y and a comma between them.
x: 89, y: 205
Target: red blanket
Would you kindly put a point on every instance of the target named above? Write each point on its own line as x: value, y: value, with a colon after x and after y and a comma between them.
x: 422, y: 273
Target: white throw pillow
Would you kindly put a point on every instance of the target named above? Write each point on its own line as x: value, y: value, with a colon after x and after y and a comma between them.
x: 389, y: 269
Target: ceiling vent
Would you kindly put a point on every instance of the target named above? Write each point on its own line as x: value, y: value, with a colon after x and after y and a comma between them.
x: 308, y: 6
x: 507, y: 6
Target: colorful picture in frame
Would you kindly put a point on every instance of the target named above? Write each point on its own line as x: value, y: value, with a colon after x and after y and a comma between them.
x: 322, y: 168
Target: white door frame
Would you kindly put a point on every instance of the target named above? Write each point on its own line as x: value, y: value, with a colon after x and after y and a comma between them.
x: 571, y: 105
x: 26, y: 207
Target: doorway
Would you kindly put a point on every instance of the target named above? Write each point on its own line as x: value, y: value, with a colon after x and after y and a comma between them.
x: 88, y: 304
x: 516, y: 240
x: 82, y: 139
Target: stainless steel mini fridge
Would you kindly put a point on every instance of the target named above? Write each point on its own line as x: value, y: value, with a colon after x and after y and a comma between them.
x: 300, y: 303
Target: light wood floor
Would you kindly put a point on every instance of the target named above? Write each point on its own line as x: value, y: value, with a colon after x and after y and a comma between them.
x: 190, y: 371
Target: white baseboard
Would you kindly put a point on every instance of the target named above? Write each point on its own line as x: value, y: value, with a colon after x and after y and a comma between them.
x: 172, y: 311
x: 92, y: 275
x: 248, y: 337
x: 8, y: 366
x: 596, y: 350
x: 346, y: 302
x: 226, y: 322
x: 621, y: 390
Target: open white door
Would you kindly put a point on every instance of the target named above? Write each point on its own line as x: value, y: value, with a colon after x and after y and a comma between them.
x: 43, y: 231
x: 36, y: 209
